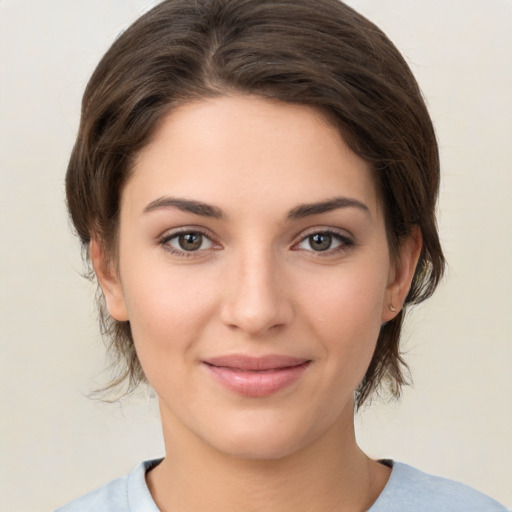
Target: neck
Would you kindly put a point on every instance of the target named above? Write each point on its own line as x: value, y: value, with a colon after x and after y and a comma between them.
x: 331, y: 473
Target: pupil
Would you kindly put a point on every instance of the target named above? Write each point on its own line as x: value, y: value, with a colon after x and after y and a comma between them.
x: 190, y: 241
x: 321, y: 241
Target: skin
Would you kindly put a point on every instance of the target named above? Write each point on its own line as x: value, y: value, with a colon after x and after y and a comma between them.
x: 257, y: 285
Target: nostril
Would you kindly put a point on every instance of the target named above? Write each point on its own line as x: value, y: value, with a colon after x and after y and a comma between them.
x: 254, y: 321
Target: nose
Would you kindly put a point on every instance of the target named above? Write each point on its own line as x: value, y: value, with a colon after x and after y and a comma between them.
x: 256, y: 299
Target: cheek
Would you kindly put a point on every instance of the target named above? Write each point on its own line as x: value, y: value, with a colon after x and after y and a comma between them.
x: 345, y: 311
x: 168, y: 309
x: 350, y: 298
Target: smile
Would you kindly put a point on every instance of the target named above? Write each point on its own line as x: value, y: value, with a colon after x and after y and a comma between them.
x: 256, y: 376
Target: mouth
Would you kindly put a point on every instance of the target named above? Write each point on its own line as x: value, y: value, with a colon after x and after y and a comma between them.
x: 256, y: 376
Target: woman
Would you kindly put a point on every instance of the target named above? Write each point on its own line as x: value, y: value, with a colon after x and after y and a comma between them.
x: 255, y: 185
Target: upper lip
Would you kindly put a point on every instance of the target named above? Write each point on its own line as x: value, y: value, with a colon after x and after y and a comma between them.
x: 248, y: 363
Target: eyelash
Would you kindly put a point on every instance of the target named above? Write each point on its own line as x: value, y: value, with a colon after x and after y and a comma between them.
x: 345, y: 243
x: 164, y: 242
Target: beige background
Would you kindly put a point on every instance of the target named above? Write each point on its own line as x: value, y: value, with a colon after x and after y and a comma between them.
x: 56, y: 444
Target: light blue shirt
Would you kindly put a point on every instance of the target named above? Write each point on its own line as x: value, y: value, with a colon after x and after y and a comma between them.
x: 407, y: 490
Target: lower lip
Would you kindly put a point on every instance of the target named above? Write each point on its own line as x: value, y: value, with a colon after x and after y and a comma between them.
x: 257, y: 383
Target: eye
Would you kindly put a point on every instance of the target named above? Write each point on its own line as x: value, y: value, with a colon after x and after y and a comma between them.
x: 324, y: 241
x: 186, y: 242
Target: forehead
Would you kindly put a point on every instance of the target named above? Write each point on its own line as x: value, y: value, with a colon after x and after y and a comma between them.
x: 245, y: 150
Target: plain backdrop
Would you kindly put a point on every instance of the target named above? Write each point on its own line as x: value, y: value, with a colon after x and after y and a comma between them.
x: 456, y: 421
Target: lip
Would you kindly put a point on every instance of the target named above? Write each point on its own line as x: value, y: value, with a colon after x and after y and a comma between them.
x: 256, y: 376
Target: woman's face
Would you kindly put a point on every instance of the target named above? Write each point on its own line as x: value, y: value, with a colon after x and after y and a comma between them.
x: 255, y: 273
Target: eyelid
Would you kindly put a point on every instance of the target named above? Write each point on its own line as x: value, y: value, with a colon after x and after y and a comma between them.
x: 324, y: 229
x: 168, y: 235
x: 171, y: 233
x: 346, y: 239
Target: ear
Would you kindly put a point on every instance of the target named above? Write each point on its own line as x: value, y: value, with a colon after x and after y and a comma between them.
x: 402, y: 274
x: 109, y: 281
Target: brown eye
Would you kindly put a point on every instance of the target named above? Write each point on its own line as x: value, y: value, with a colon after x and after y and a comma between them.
x: 320, y: 241
x: 187, y: 242
x: 190, y: 241
x: 325, y: 241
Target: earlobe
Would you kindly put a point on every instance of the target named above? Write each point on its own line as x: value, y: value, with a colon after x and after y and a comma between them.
x: 402, y: 275
x: 109, y: 281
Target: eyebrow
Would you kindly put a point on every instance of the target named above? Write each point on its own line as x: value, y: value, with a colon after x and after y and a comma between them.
x: 304, y: 210
x: 299, y: 212
x: 186, y: 205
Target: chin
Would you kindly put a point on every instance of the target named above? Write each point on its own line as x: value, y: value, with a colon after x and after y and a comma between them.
x: 263, y: 438
x: 264, y: 447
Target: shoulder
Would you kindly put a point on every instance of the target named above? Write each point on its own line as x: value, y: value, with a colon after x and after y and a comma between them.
x: 111, y: 497
x: 124, y: 494
x: 411, y: 489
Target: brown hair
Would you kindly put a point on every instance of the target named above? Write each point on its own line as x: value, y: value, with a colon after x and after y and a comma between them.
x: 319, y: 53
